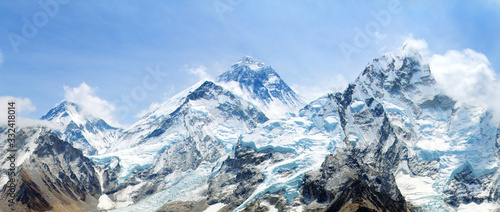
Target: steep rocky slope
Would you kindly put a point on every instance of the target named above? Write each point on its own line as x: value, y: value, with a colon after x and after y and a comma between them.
x: 50, y: 175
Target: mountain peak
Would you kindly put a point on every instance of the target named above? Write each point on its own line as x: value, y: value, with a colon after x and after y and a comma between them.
x: 406, y: 58
x: 258, y: 83
x: 248, y: 70
x: 411, y: 48
x: 249, y: 62
x: 67, y: 104
x: 85, y: 132
x: 403, y: 69
x: 61, y: 110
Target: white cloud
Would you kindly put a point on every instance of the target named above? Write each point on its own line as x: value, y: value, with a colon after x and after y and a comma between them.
x: 23, y: 106
x: 84, y: 96
x: 322, y: 87
x: 200, y: 72
x: 419, y: 45
x: 379, y: 37
x: 27, y: 122
x: 467, y: 76
x: 1, y: 57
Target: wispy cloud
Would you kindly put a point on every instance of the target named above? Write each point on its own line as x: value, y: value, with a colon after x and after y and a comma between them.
x: 327, y: 85
x: 1, y: 57
x: 85, y: 97
x: 27, y: 122
x: 419, y: 45
x: 200, y: 72
x: 23, y: 106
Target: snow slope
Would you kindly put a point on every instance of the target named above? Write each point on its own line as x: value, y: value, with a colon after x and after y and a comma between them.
x: 201, y: 126
x: 90, y: 134
x: 391, y: 133
x: 259, y: 84
x: 395, y: 120
x: 281, y: 151
x: 440, y: 134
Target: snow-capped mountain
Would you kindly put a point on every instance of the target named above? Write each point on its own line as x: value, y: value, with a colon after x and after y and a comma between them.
x: 433, y: 136
x: 396, y: 143
x: 391, y: 141
x: 50, y: 175
x: 270, y: 162
x: 261, y: 85
x: 90, y: 134
x: 195, y: 128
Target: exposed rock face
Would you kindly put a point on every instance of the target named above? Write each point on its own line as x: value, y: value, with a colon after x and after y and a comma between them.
x: 55, y: 176
x: 200, y: 146
x: 390, y: 140
x: 401, y: 136
x: 202, y: 129
x: 345, y: 184
x: 397, y: 120
x: 237, y: 178
x: 110, y: 174
x: 465, y: 187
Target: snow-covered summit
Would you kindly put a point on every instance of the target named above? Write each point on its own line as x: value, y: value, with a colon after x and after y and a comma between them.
x: 437, y: 152
x: 411, y: 48
x: 250, y: 62
x: 205, y: 121
x: 63, y: 113
x: 407, y: 55
x: 90, y: 134
x: 390, y: 134
x: 437, y: 135
x: 402, y: 72
x: 259, y: 84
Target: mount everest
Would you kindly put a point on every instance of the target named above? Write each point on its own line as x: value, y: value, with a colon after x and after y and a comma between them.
x: 391, y: 141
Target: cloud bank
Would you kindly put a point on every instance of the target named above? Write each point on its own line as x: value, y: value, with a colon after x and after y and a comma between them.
x: 467, y: 76
x: 90, y: 104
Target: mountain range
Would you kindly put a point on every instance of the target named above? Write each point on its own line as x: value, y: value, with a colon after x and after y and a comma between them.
x: 391, y: 141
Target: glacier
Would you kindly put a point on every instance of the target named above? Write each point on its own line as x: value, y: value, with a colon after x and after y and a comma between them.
x: 391, y: 141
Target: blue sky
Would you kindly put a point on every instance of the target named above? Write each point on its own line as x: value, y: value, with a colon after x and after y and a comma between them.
x: 111, y: 45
